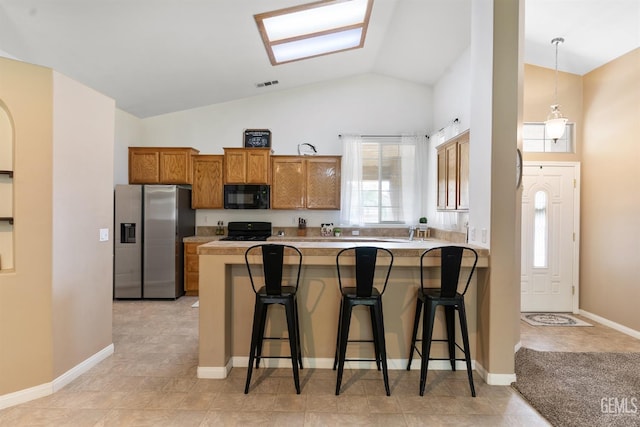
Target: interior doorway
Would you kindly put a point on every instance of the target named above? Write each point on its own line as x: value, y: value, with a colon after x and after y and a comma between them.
x: 550, y: 237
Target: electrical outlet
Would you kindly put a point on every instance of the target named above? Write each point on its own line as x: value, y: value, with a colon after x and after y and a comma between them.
x: 355, y: 232
x: 104, y: 234
x: 472, y: 234
x: 484, y: 235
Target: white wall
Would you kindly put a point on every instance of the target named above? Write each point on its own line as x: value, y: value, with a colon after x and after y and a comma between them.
x: 480, y: 122
x: 317, y: 114
x: 128, y: 133
x: 452, y: 96
x: 82, y: 186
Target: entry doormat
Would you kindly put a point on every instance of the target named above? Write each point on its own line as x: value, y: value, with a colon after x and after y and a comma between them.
x: 552, y: 319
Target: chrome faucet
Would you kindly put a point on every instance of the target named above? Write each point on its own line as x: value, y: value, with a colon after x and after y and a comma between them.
x: 412, y: 231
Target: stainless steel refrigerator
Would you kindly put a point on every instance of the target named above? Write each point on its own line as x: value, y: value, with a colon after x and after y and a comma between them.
x: 150, y: 224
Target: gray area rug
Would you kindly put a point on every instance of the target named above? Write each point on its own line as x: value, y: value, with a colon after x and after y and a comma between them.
x: 581, y: 389
x: 552, y: 319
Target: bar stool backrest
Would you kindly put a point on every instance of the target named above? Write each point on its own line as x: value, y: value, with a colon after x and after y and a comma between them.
x: 366, y: 258
x: 273, y: 257
x: 451, y: 258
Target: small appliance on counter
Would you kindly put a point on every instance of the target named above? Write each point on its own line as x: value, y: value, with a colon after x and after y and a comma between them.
x: 248, y: 230
x: 150, y: 224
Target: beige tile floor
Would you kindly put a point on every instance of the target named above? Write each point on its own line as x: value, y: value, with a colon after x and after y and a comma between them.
x: 151, y: 381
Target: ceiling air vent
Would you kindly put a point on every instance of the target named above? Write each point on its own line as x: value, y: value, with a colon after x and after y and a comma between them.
x: 269, y: 83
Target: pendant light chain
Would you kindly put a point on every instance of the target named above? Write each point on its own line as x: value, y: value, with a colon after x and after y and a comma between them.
x: 555, y: 124
x: 556, y: 41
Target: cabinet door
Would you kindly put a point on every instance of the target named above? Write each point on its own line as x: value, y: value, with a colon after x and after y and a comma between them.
x: 175, y: 166
x: 452, y: 174
x: 323, y: 182
x: 191, y: 268
x: 258, y: 165
x: 207, y: 182
x: 287, y: 183
x: 235, y: 166
x: 463, y: 174
x: 144, y: 166
x: 442, y: 179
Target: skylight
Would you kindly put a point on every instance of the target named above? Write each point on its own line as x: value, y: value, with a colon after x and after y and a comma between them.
x: 314, y: 29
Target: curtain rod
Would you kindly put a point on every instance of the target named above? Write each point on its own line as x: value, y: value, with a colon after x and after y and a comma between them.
x: 376, y: 136
x: 381, y: 136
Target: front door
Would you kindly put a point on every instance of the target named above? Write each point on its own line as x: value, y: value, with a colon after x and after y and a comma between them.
x: 549, y: 238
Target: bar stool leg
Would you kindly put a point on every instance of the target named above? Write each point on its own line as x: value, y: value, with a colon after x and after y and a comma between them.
x: 450, y: 319
x: 465, y: 342
x: 293, y: 345
x: 427, y: 334
x: 297, y: 319
x: 376, y: 334
x: 335, y: 358
x: 379, y: 326
x: 263, y: 323
x: 345, y: 321
x: 416, y: 322
x: 257, y: 315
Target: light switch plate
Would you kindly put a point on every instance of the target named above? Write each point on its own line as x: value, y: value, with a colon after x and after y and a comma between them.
x: 104, y: 234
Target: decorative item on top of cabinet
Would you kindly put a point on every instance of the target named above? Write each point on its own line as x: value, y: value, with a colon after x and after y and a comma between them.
x: 305, y: 182
x: 207, y: 189
x: 191, y: 268
x: 453, y: 174
x: 160, y: 165
x: 246, y: 165
x: 257, y: 138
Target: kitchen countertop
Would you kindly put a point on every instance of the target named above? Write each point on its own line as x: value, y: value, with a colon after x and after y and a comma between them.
x: 329, y: 246
x: 203, y: 239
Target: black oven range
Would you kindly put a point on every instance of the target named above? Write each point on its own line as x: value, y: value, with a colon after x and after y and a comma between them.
x: 248, y: 231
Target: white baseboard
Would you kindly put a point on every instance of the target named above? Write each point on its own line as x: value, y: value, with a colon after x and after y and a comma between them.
x: 26, y: 395
x: 324, y: 363
x: 611, y: 324
x: 42, y: 390
x: 81, y: 368
x: 495, y: 379
x: 214, y: 373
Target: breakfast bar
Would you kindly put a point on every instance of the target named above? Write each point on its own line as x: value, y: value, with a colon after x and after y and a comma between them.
x: 227, y: 300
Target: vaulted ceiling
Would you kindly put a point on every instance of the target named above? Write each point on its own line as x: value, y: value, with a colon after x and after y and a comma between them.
x: 160, y: 56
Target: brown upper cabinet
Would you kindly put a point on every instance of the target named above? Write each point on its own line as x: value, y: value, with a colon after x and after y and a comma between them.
x: 160, y: 165
x: 246, y: 165
x: 207, y: 188
x: 305, y: 182
x: 453, y: 174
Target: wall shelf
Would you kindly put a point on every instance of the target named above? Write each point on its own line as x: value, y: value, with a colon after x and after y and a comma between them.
x: 7, y: 218
x: 10, y: 173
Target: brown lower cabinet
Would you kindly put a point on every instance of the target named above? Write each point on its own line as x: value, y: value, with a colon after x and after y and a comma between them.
x: 191, y: 267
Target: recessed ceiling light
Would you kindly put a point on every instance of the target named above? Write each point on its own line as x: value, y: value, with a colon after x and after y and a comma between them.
x: 314, y: 29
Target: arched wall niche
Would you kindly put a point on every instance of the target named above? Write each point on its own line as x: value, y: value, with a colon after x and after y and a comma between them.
x: 7, y: 138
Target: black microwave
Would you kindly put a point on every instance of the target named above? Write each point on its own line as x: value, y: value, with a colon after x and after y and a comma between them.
x: 246, y: 196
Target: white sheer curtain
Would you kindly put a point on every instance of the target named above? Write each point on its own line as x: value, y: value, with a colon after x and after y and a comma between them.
x: 413, y: 151
x: 351, y: 212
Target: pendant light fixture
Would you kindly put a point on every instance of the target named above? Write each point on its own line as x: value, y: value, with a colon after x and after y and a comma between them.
x: 555, y: 124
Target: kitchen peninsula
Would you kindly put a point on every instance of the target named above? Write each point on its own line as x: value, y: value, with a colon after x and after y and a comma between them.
x: 227, y: 300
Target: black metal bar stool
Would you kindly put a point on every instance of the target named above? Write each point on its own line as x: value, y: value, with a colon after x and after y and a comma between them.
x: 363, y: 293
x: 273, y: 258
x: 447, y: 295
